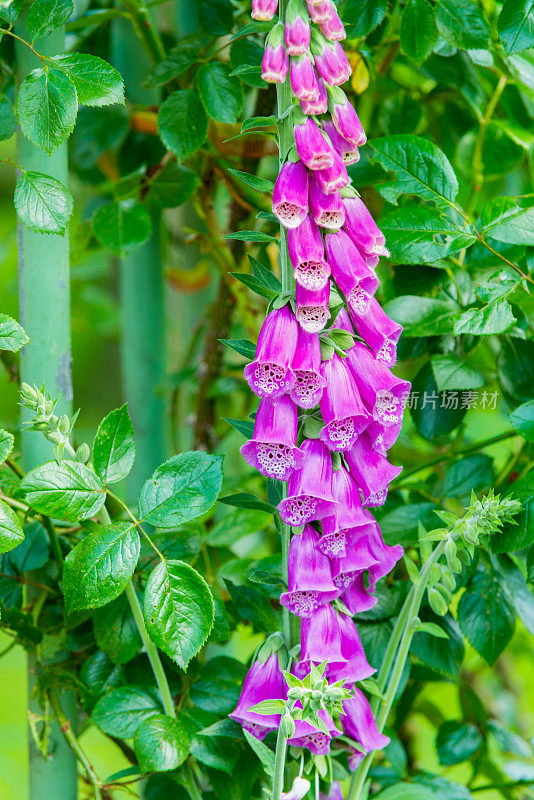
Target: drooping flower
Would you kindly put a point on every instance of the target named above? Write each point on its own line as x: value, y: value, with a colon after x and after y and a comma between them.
x: 320, y: 11
x: 273, y: 448
x: 306, y: 251
x: 357, y: 596
x: 263, y: 682
x: 297, y: 29
x: 309, y: 383
x: 327, y: 210
x: 383, y: 393
x: 310, y: 583
x: 379, y: 331
x: 290, y: 194
x: 356, y: 667
x: 349, y: 520
x: 357, y: 282
x: 330, y: 60
x: 312, y: 307
x: 359, y: 558
x: 314, y: 740
x: 263, y: 10
x: 309, y: 491
x: 312, y: 147
x: 275, y: 62
x: 362, y: 228
x: 304, y: 81
x: 344, y: 414
x: 333, y: 29
x: 358, y: 723
x: 345, y: 118
x: 347, y: 150
x: 270, y: 374
x: 333, y: 178
x: 386, y: 557
x: 319, y: 105
x: 372, y: 472
x: 382, y: 437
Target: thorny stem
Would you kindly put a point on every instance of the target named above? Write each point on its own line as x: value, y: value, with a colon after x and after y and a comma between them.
x: 72, y: 741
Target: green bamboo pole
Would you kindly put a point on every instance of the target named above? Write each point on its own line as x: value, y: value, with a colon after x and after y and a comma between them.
x: 44, y: 311
x: 143, y: 348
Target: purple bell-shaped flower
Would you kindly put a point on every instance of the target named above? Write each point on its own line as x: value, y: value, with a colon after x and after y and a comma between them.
x: 263, y: 682
x: 327, y: 210
x: 382, y: 437
x: 304, y: 79
x: 273, y: 449
x: 312, y: 307
x: 357, y: 282
x: 270, y: 374
x: 330, y: 60
x: 349, y: 520
x: 358, y: 723
x: 309, y: 576
x: 290, y: 194
x: 347, y: 150
x: 297, y: 29
x: 263, y: 10
x: 320, y: 11
x: 372, y: 472
x: 332, y: 179
x: 309, y: 491
x: 343, y: 411
x: 275, y: 61
x: 309, y: 382
x: 333, y: 29
x: 345, y: 118
x: 382, y: 392
x: 379, y: 331
x: 357, y: 597
x: 312, y: 147
x: 362, y: 228
x: 319, y: 105
x: 359, y: 558
x: 306, y: 252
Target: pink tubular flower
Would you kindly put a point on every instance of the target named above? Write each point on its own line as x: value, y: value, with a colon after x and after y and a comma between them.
x: 270, y: 374
x: 383, y: 393
x: 312, y: 307
x: 330, y: 60
x: 263, y: 10
x: 273, y: 449
x: 379, y: 331
x: 362, y: 228
x: 345, y: 118
x: 290, y: 194
x: 314, y: 740
x: 357, y: 667
x: 327, y: 210
x: 372, y: 472
x: 347, y: 150
x: 297, y: 29
x: 357, y: 597
x: 309, y: 491
x: 304, y: 82
x: 381, y: 437
x: 357, y: 282
x: 358, y: 723
x: 333, y: 178
x: 306, y: 366
x: 306, y: 251
x: 343, y: 411
x: 320, y: 104
x: 320, y: 11
x: 263, y: 682
x: 313, y: 149
x: 349, y: 520
x: 333, y: 29
x: 358, y: 559
x: 275, y: 62
x: 386, y: 556
x: 309, y: 576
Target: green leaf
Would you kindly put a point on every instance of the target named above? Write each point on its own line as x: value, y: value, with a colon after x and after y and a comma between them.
x: 362, y: 16
x: 43, y: 203
x: 420, y: 168
x: 494, y: 318
x: 418, y: 32
x: 222, y: 96
x: 250, y: 236
x: 462, y: 24
x: 516, y: 25
x: 182, y: 123
x: 433, y: 630
x: 114, y: 447
x: 161, y: 744
x: 122, y: 226
x: 12, y: 336
x: 420, y: 235
x: 178, y: 609
x: 97, y: 82
x: 519, y: 591
x: 469, y: 473
x: 245, y: 500
x: 444, y: 655
x: 44, y: 16
x: 452, y: 372
x: 219, y: 685
x: 422, y: 316
x: 255, y: 285
x: 99, y: 567
x: 406, y: 791
x: 216, y: 17
x: 116, y: 632
x: 11, y: 533
x: 457, y: 742
x: 7, y: 441
x: 486, y: 615
x: 522, y: 419
x: 172, y: 186
x: 258, y: 122
x: 181, y: 489
x: 34, y: 551
x: 242, y: 346
x: 47, y: 106
x: 509, y: 219
x: 8, y: 123
x: 120, y: 712
x: 216, y: 747
x: 521, y: 535
x: 436, y: 414
x: 68, y: 490
x: 516, y: 368
x: 261, y: 184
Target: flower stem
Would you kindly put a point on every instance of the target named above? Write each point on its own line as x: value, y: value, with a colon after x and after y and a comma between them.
x: 279, y: 764
x: 73, y: 743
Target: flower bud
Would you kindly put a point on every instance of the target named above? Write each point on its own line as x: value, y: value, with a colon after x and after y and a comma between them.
x: 263, y: 10
x: 83, y: 452
x: 288, y: 725
x: 64, y: 424
x: 275, y: 62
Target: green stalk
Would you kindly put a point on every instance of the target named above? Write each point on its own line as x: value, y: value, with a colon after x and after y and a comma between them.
x: 279, y: 765
x: 402, y: 634
x: 143, y: 355
x: 44, y: 312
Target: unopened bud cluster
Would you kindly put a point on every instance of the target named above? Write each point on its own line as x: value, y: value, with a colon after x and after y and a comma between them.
x: 56, y: 429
